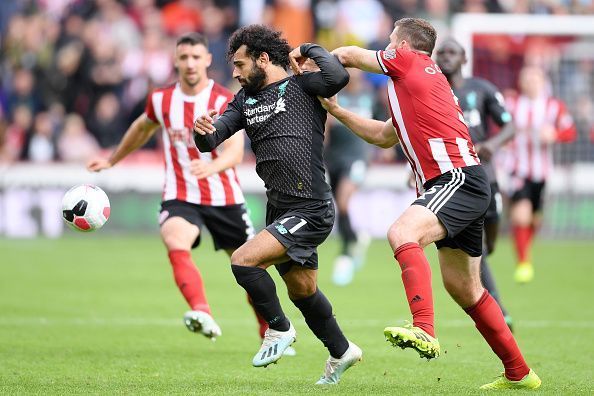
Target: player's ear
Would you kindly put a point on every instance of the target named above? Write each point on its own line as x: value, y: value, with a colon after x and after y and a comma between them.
x: 263, y: 59
x: 208, y: 59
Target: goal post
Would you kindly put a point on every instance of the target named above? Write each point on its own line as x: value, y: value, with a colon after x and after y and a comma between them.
x: 465, y: 26
x: 565, y: 46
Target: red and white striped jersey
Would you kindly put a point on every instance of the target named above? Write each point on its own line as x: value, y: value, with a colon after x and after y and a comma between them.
x: 176, y: 112
x: 426, y: 115
x: 530, y: 157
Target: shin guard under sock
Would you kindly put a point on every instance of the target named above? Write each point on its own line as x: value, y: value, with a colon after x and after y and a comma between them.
x: 261, y: 289
x: 188, y: 280
x: 416, y: 277
x: 317, y: 311
x: 489, y: 321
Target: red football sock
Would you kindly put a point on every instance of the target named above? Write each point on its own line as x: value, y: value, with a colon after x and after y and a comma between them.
x: 490, y: 323
x: 263, y: 325
x: 416, y: 277
x: 189, y: 280
x: 523, y: 240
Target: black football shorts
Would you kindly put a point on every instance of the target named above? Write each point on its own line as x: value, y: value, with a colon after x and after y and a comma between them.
x: 528, y: 189
x: 230, y: 226
x: 300, y: 228
x: 459, y: 198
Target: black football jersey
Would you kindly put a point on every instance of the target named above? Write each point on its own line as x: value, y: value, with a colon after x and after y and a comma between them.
x: 285, y: 123
x: 480, y: 100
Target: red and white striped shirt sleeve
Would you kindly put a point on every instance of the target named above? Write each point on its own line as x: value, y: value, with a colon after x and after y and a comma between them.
x: 394, y: 63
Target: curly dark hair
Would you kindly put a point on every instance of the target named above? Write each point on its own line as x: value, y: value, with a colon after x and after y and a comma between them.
x: 258, y: 39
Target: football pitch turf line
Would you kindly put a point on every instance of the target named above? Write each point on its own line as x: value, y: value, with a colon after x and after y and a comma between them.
x: 350, y: 322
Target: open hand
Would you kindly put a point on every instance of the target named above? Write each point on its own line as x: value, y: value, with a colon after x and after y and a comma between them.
x: 98, y: 164
x: 201, y: 169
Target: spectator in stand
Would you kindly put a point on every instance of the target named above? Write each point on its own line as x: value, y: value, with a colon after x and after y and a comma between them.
x: 214, y: 30
x: 107, y: 122
x: 75, y: 143
x: 106, y: 70
x: 360, y: 19
x: 23, y: 91
x: 41, y: 146
x: 182, y: 16
x: 116, y: 25
x: 65, y: 82
x: 295, y: 19
x: 15, y: 134
x: 541, y: 120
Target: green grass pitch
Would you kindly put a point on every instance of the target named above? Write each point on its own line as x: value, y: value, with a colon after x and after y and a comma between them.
x: 100, y: 314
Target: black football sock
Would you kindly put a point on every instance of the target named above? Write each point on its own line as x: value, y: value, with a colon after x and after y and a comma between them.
x: 347, y: 234
x: 489, y: 282
x: 261, y: 288
x: 317, y: 311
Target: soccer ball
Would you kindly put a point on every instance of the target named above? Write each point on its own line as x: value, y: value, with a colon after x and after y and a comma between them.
x: 85, y: 208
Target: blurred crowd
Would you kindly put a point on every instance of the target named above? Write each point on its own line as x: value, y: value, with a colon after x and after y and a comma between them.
x: 75, y: 73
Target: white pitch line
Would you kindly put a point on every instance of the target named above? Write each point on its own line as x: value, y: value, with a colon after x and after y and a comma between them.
x: 357, y: 323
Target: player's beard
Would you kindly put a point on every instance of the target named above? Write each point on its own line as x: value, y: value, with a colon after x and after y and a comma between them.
x: 254, y: 81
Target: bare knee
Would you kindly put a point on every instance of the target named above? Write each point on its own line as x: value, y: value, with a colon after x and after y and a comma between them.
x: 178, y: 234
x: 416, y: 225
x: 399, y: 234
x: 174, y: 241
x: 241, y: 257
x: 521, y: 213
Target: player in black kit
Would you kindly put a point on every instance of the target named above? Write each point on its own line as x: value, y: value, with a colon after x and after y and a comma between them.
x: 285, y: 122
x: 480, y: 100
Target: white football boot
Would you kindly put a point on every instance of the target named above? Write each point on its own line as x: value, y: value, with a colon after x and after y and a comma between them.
x: 273, y: 346
x: 344, y: 270
x: 336, y: 367
x: 202, y: 322
x: 290, y: 351
x: 359, y: 249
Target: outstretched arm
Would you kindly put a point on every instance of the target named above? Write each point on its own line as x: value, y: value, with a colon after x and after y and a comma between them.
x: 136, y: 136
x: 379, y: 133
x: 359, y: 58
